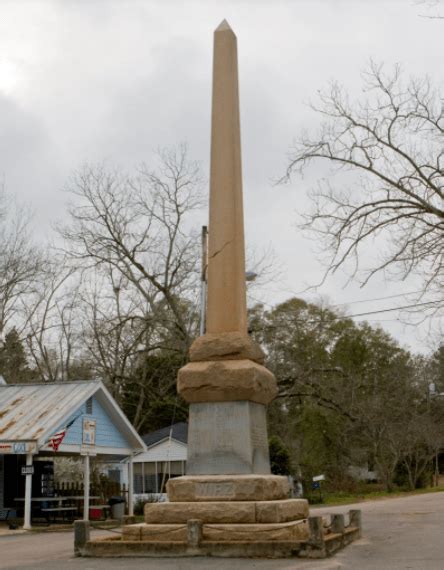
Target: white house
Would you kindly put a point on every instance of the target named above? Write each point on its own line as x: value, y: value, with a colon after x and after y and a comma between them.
x: 165, y: 457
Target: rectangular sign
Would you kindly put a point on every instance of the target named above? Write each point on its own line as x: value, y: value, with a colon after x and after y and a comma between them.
x: 89, y: 432
x: 88, y: 450
x: 28, y: 470
x: 319, y: 478
x: 17, y: 447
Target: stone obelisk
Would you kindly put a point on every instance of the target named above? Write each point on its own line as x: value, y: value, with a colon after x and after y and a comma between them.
x: 226, y: 308
x: 225, y: 383
x: 228, y: 481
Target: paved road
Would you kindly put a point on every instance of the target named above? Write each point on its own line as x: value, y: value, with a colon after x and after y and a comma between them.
x: 402, y: 533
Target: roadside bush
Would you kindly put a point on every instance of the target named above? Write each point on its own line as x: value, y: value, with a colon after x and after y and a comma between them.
x: 139, y: 505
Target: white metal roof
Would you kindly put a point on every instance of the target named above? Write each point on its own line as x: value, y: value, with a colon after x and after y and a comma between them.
x: 31, y: 412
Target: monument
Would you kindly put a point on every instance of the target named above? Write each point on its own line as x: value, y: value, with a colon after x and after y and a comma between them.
x: 228, y: 503
x: 228, y: 479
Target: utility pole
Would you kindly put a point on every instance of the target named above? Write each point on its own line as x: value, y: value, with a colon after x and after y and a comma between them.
x: 203, y: 280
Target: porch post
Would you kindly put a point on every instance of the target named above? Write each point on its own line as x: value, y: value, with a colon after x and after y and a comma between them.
x: 130, y: 486
x: 157, y: 478
x: 28, y: 491
x: 143, y: 477
x: 86, y: 487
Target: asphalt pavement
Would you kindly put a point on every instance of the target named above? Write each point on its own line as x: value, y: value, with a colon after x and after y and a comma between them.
x: 399, y: 533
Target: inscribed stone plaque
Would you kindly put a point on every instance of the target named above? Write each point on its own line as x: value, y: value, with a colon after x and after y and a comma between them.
x: 221, y: 490
x: 227, y: 438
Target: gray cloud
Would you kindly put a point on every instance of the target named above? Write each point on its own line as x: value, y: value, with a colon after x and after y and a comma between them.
x: 115, y: 80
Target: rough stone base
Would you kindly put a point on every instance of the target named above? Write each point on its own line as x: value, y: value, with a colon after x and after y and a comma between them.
x: 239, y: 512
x: 209, y: 488
x: 155, y: 532
x: 312, y: 538
x: 289, y: 531
x: 115, y: 548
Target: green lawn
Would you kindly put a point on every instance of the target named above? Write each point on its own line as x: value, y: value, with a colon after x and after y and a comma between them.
x: 343, y: 498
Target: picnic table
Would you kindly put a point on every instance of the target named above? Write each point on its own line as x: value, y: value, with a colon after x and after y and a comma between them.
x: 62, y: 505
x: 4, y: 513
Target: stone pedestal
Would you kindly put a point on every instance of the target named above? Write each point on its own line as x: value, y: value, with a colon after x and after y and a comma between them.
x: 228, y: 488
x: 227, y: 438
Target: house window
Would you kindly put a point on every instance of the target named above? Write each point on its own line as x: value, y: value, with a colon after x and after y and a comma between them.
x: 89, y: 406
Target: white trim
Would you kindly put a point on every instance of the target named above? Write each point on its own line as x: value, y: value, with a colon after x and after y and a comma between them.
x: 143, y: 477
x: 73, y: 448
x: 28, y: 491
x: 86, y: 482
x: 130, y: 486
x: 109, y: 400
x: 166, y: 438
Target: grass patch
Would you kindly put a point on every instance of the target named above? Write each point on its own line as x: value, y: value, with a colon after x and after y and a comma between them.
x: 343, y: 498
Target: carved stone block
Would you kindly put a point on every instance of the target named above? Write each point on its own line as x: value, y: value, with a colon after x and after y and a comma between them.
x: 226, y: 381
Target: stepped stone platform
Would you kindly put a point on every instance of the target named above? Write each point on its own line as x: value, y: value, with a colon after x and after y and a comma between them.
x: 305, y: 538
x: 224, y: 512
x: 227, y: 508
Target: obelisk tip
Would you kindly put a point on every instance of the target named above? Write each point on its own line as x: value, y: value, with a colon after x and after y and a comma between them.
x: 224, y: 26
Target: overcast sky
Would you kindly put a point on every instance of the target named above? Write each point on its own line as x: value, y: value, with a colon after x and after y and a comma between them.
x: 85, y: 80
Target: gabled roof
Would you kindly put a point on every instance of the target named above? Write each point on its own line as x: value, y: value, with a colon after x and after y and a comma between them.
x: 32, y: 412
x: 179, y: 433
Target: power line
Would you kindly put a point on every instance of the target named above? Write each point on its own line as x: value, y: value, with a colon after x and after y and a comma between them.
x: 338, y: 318
x: 377, y: 298
x: 391, y: 309
x: 349, y: 302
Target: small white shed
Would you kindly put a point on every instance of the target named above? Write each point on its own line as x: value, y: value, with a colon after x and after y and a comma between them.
x: 165, y: 457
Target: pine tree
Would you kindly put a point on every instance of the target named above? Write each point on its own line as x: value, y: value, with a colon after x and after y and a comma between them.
x: 13, y: 362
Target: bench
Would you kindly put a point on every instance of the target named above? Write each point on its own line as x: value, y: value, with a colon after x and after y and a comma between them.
x: 4, y: 513
x: 55, y: 510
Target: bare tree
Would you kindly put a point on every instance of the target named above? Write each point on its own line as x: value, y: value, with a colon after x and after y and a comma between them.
x: 21, y: 263
x: 432, y: 9
x: 112, y: 328
x: 129, y: 346
x: 393, y: 140
x: 138, y: 226
x: 52, y: 323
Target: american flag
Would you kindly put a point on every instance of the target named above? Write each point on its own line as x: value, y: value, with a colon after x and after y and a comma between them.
x: 55, y: 440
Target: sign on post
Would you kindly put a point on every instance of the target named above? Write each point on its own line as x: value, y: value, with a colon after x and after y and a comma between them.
x: 316, y: 485
x: 88, y: 437
x: 28, y: 470
x: 319, y: 478
x: 89, y: 432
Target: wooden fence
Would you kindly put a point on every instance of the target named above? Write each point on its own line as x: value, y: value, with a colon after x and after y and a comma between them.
x: 104, y: 489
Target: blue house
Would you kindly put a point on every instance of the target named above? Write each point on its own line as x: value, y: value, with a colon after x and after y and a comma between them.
x: 67, y: 418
